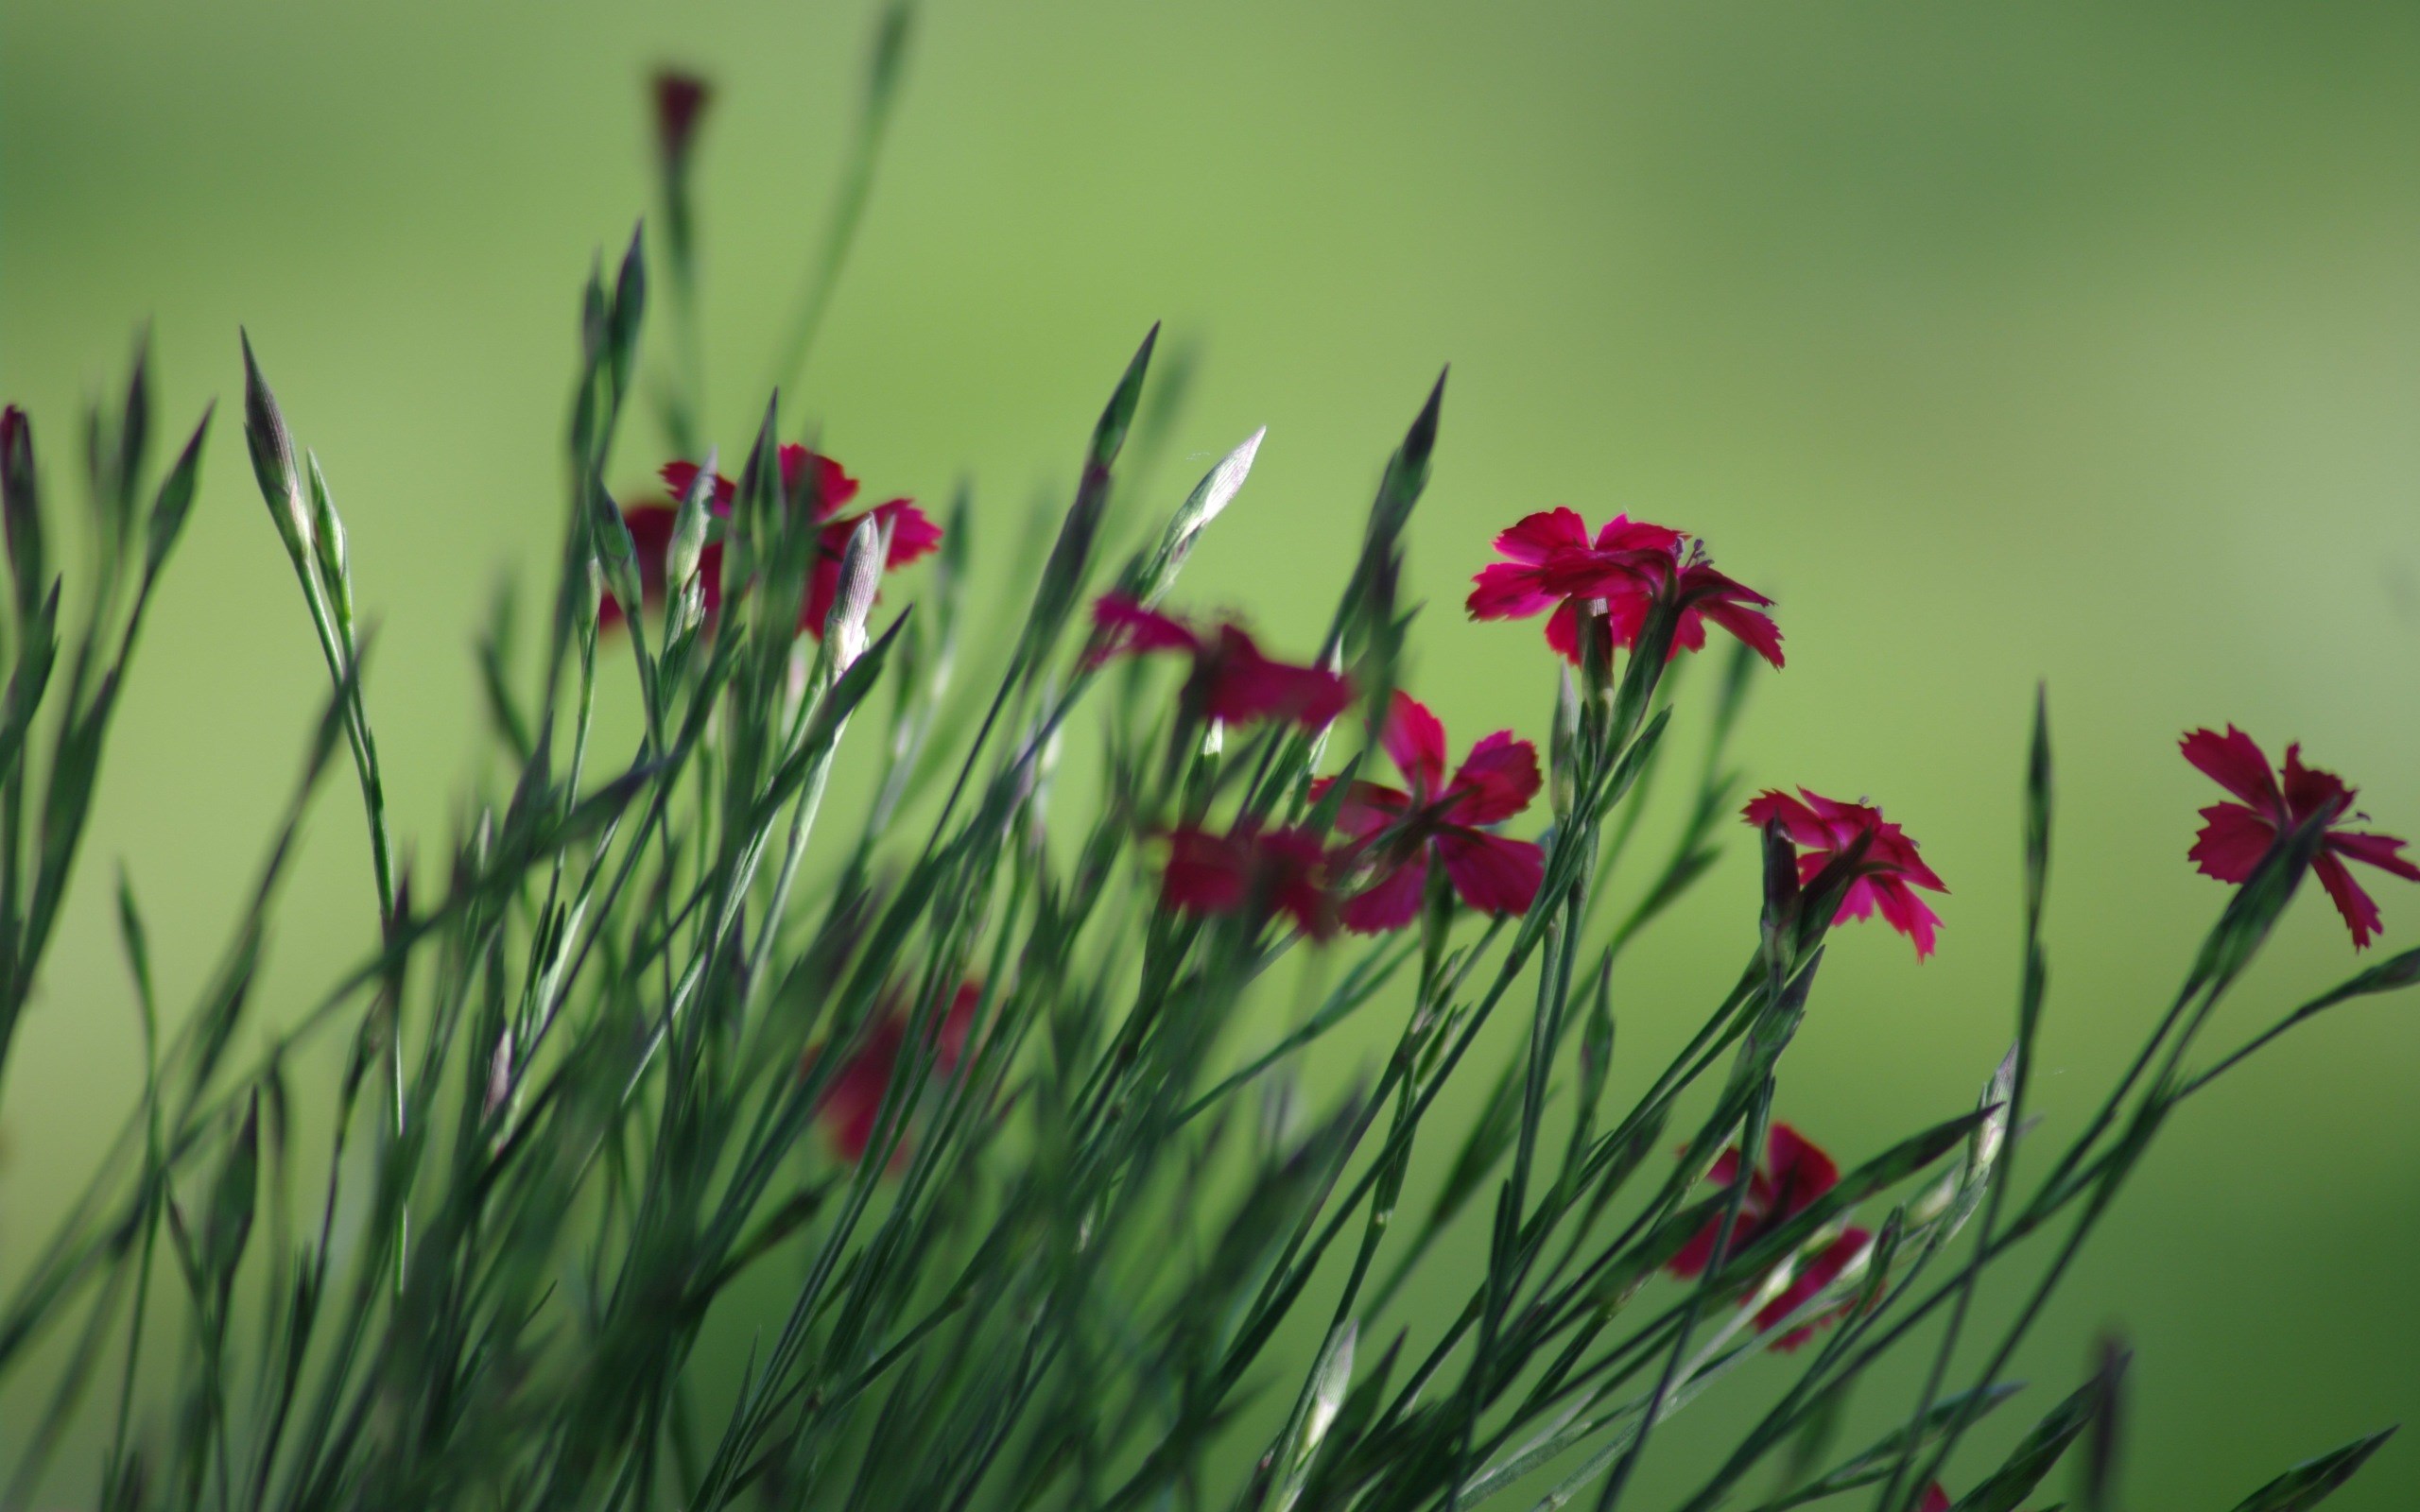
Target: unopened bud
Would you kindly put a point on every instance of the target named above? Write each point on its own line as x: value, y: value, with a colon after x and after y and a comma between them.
x: 327, y: 543
x: 689, y: 545
x: 272, y: 449
x: 860, y: 575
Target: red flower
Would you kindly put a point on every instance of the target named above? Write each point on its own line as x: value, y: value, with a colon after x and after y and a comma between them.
x: 1794, y: 1175
x: 1232, y: 681
x: 680, y: 99
x: 1555, y: 566
x: 912, y: 535
x: 1401, y: 831
x: 1936, y: 1500
x: 1886, y: 877
x: 1279, y: 871
x: 2235, y: 836
x: 851, y: 1105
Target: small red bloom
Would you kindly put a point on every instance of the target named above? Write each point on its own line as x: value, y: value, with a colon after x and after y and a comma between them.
x: 1886, y: 877
x: 1936, y: 1500
x: 1795, y: 1173
x: 1555, y: 567
x: 1231, y: 681
x: 1279, y: 871
x: 2235, y: 836
x: 1400, y: 831
x: 852, y: 1104
x: 912, y: 534
x: 680, y: 99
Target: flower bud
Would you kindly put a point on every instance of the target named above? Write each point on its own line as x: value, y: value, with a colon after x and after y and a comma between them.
x: 860, y: 575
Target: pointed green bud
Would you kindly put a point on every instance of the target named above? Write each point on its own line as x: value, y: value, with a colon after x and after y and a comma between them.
x: 21, y: 507
x: 274, y: 465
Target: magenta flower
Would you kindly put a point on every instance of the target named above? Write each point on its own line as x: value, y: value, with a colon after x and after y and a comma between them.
x: 2237, y: 836
x: 1232, y: 681
x: 1887, y: 875
x: 1399, y: 832
x: 1555, y: 568
x: 1272, y: 872
x: 912, y: 534
x: 1936, y: 1500
x: 680, y: 99
x: 850, y: 1107
x: 1795, y: 1173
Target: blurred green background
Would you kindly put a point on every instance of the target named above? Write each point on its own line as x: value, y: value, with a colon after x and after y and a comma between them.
x: 1999, y: 343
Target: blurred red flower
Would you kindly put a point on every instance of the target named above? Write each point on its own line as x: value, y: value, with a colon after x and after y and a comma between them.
x: 851, y: 1105
x: 1794, y: 1173
x: 912, y: 534
x: 1279, y: 871
x: 1232, y: 681
x: 1403, y: 830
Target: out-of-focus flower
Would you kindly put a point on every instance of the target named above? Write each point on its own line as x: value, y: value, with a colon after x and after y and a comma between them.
x: 1271, y: 872
x: 2235, y: 836
x: 1888, y: 874
x: 1400, y: 832
x: 1232, y: 681
x: 827, y: 490
x: 680, y: 99
x: 1554, y: 567
x: 1936, y: 1500
x: 1794, y: 1173
x: 851, y: 1105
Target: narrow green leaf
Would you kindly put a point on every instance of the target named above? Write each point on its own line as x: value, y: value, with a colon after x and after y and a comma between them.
x: 2315, y: 1480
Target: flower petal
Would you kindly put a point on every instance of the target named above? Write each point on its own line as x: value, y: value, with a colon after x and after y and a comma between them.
x: 1536, y: 537
x: 1800, y: 1171
x: 1368, y: 807
x: 1206, y: 875
x: 1390, y: 902
x: 678, y: 476
x: 2360, y: 913
x: 2234, y: 762
x: 2232, y: 842
x: 1493, y: 874
x: 1506, y: 590
x: 1905, y: 911
x: 2375, y: 849
x: 1130, y: 630
x: 1797, y: 820
x: 1936, y: 1500
x: 1416, y: 740
x: 1563, y: 632
x: 832, y: 488
x: 1752, y: 625
x: 1622, y: 533
x: 1243, y: 685
x: 913, y: 534
x: 2310, y: 791
x: 1496, y: 780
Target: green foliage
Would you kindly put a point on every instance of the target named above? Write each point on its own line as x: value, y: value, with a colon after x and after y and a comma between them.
x: 986, y: 1152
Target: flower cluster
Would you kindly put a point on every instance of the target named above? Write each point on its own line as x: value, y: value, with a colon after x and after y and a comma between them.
x: 811, y: 482
x: 1614, y: 580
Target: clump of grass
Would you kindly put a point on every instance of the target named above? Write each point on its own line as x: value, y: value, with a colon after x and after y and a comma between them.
x: 958, y: 1103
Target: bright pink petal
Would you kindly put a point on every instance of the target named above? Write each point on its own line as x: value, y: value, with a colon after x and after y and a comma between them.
x: 2232, y: 842
x: 1536, y: 537
x: 1563, y: 632
x: 2375, y: 849
x: 2234, y: 762
x: 1493, y: 874
x: 2360, y: 913
x: 832, y: 488
x: 678, y: 476
x: 1506, y: 590
x: 1752, y: 625
x: 913, y: 534
x: 1496, y: 780
x: 1130, y: 630
x: 1390, y: 902
x: 1797, y: 820
x: 1856, y: 904
x: 1416, y: 740
x: 1622, y: 533
x: 1907, y: 913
